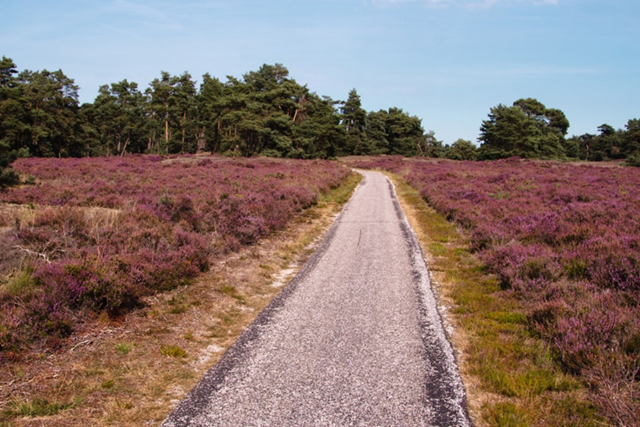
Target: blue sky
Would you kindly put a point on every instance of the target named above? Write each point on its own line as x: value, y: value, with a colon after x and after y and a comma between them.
x: 446, y: 61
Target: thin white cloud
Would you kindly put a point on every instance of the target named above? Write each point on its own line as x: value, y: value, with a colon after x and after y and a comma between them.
x: 146, y: 14
x: 544, y: 70
x: 136, y: 9
x: 386, y: 3
x: 531, y: 70
x: 471, y: 4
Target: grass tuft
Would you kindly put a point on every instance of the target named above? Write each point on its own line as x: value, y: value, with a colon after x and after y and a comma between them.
x: 342, y: 194
x: 230, y: 291
x: 506, y: 414
x: 178, y: 304
x: 108, y: 384
x: 37, y: 407
x: 173, y: 351
x: 124, y: 348
x: 22, y: 281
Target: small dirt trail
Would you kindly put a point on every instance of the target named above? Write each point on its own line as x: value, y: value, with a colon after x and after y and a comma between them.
x: 354, y: 340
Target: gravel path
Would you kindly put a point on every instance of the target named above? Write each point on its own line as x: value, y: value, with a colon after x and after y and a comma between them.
x: 354, y: 340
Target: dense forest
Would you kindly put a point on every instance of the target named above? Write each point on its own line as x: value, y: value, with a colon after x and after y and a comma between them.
x: 529, y: 129
x: 264, y: 113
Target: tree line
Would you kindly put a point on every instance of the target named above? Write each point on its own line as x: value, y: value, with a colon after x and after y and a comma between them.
x: 529, y: 129
x: 264, y: 113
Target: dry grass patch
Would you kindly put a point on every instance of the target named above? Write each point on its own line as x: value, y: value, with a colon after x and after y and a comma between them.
x: 510, y: 375
x: 134, y: 370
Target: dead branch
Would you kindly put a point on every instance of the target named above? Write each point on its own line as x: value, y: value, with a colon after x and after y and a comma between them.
x: 34, y: 253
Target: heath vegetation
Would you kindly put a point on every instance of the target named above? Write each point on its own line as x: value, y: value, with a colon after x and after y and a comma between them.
x: 564, y: 242
x: 95, y: 235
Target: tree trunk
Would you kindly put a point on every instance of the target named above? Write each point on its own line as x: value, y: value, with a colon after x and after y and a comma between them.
x: 202, y: 142
x: 124, y: 149
x: 184, y: 119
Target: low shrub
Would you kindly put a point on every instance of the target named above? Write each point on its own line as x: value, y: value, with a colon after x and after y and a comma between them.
x: 106, y: 232
x: 563, y: 238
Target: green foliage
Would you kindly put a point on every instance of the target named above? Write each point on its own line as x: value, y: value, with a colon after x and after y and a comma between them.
x: 631, y: 138
x: 264, y: 113
x: 7, y: 178
x: 462, y: 150
x: 38, y: 114
x: 506, y: 414
x: 404, y: 133
x: 51, y: 101
x: 178, y: 304
x: 395, y: 132
x: 171, y: 109
x: 608, y: 144
x: 124, y: 348
x: 173, y: 351
x: 527, y: 129
x: 354, y: 122
x: 22, y: 281
x: 10, y: 113
x: 117, y: 119
x: 634, y: 160
x: 108, y: 384
x: 37, y: 407
x: 7, y: 175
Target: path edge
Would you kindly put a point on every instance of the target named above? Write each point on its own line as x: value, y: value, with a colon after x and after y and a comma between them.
x: 214, y: 378
x: 432, y: 326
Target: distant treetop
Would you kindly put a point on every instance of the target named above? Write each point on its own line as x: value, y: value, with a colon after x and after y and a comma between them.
x: 264, y: 113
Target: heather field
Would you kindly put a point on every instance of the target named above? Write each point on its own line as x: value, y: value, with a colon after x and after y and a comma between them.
x: 94, y: 236
x: 563, y: 239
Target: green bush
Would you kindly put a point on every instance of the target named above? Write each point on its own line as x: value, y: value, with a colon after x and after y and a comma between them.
x: 634, y: 160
